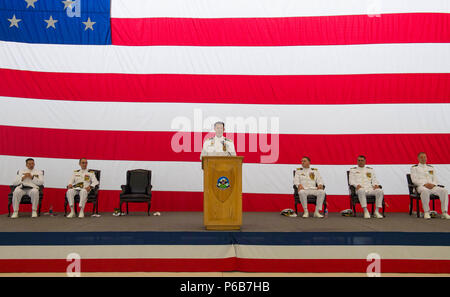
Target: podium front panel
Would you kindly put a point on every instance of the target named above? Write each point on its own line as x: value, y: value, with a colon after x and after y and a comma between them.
x: 222, y: 201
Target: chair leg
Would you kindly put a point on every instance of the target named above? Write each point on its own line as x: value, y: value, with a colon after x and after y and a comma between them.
x: 148, y: 209
x: 9, y: 209
x: 434, y: 208
x: 418, y: 208
x: 39, y: 210
x: 120, y: 207
x: 296, y: 211
x: 127, y: 207
x: 410, y: 205
x: 373, y: 208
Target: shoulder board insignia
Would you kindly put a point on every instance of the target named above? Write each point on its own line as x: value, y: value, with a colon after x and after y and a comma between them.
x: 210, y: 138
x: 415, y: 165
x: 77, y: 170
x: 313, y: 168
x: 353, y: 167
x: 91, y: 171
x: 429, y: 166
x: 300, y: 168
x: 369, y: 167
x: 228, y: 139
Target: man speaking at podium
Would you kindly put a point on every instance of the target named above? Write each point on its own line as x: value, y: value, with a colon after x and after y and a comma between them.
x: 222, y: 182
x: 218, y: 145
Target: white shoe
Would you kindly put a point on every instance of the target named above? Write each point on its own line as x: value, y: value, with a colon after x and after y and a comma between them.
x: 366, y: 214
x: 378, y: 215
x: 427, y: 216
x: 445, y: 216
x: 15, y: 215
x: 71, y: 215
x: 34, y: 214
x: 81, y: 215
x: 317, y: 214
x: 305, y: 214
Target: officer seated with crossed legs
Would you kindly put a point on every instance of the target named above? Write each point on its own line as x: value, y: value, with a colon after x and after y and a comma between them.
x: 424, y: 177
x: 28, y: 182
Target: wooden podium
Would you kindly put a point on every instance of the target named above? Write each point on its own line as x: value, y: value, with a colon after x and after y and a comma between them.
x: 222, y: 192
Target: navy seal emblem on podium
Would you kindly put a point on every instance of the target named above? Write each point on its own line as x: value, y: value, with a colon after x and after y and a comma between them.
x: 223, y: 183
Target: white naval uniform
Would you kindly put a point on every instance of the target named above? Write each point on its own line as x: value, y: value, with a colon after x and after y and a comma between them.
x: 80, y: 180
x: 218, y: 146
x: 309, y: 178
x: 422, y: 174
x: 28, y: 187
x: 365, y: 177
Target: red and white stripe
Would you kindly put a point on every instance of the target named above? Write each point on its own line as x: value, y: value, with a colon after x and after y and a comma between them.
x: 251, y: 258
x: 268, y: 8
x: 342, y: 78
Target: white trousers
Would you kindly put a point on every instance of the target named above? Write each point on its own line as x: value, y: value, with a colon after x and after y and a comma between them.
x: 71, y: 193
x: 320, y: 194
x: 363, y: 193
x: 425, y: 197
x: 19, y: 193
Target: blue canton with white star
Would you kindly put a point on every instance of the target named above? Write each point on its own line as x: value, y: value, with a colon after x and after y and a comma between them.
x: 56, y: 21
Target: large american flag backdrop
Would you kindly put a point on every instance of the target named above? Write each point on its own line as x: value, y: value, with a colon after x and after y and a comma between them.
x: 106, y: 79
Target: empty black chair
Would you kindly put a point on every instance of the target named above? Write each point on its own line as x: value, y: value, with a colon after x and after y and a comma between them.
x: 371, y: 199
x: 91, y: 198
x: 25, y: 199
x: 138, y: 188
x: 312, y: 199
x: 414, y: 195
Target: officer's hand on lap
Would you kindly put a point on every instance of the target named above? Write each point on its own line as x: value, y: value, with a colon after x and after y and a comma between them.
x: 26, y: 175
x: 358, y: 187
x: 429, y: 186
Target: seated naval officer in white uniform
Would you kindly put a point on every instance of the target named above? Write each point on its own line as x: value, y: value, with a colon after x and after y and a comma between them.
x: 309, y: 182
x: 364, y: 180
x: 81, y: 182
x: 424, y: 177
x: 27, y: 181
x: 218, y: 145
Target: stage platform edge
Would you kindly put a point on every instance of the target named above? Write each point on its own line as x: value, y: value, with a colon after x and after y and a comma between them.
x: 156, y: 251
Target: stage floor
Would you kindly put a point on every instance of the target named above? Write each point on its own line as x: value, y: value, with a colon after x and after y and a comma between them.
x: 193, y: 222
